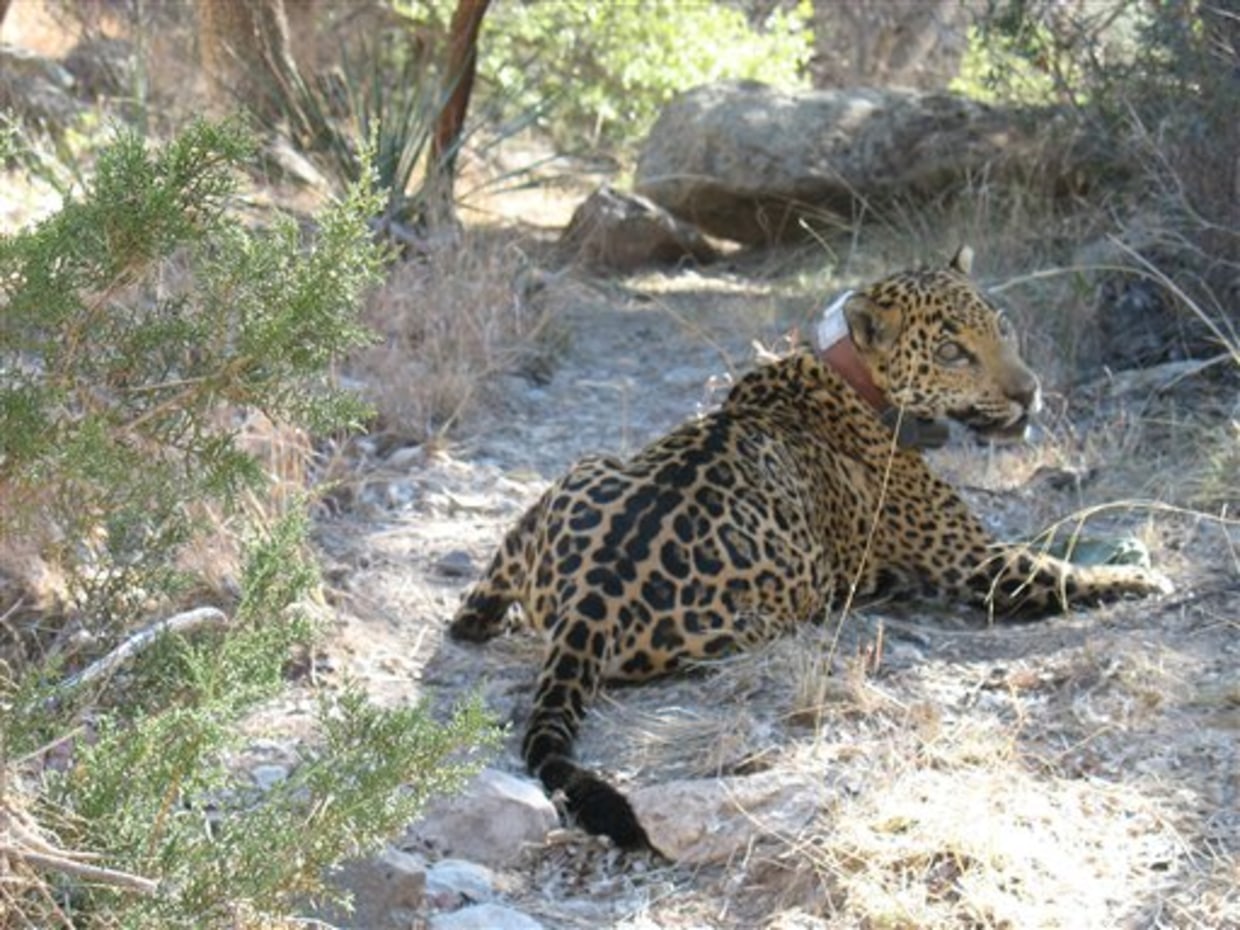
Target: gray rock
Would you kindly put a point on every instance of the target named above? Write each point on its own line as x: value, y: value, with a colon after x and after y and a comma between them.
x: 453, y: 882
x: 407, y: 458
x: 102, y: 67
x: 708, y: 820
x: 36, y: 90
x: 387, y: 891
x: 456, y: 564
x: 620, y: 232
x: 489, y: 822
x: 749, y: 162
x: 268, y: 776
x: 484, y: 917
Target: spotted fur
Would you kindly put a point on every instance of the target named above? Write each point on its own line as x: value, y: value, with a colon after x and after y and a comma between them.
x: 766, y: 513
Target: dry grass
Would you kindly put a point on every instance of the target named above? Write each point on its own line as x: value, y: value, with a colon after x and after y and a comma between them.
x: 1031, y: 808
x: 213, y: 558
x: 988, y: 846
x: 448, y: 326
x: 1074, y: 806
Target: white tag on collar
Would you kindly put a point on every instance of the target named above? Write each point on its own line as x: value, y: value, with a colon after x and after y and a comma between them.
x: 833, y: 327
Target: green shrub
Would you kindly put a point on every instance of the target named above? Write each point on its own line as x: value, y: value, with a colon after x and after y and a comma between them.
x: 137, y: 320
x: 142, y: 325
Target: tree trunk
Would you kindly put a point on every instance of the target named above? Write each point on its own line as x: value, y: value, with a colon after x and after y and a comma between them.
x: 247, y: 56
x: 459, y: 73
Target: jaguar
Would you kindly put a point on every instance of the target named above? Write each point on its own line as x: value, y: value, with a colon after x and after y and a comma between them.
x: 794, y: 496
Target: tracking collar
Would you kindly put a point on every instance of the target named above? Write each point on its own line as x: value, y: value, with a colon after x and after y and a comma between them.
x: 835, y: 348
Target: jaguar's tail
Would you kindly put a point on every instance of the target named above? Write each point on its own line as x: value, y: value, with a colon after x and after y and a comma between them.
x: 595, y: 805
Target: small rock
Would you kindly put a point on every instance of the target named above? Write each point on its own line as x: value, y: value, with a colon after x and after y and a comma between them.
x: 102, y: 67
x: 484, y: 917
x: 709, y: 820
x: 268, y: 776
x: 288, y: 164
x: 401, y: 494
x: 621, y: 232
x: 490, y: 821
x: 35, y: 90
x: 456, y: 564
x: 406, y: 457
x: 796, y: 919
x: 453, y: 882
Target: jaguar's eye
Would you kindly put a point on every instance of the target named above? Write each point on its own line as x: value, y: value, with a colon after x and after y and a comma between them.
x: 952, y: 354
x: 1007, y: 331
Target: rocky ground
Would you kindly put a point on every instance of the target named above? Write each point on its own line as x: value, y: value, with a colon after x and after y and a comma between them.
x: 904, y: 766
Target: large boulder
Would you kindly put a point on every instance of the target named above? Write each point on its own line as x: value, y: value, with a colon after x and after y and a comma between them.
x: 747, y: 162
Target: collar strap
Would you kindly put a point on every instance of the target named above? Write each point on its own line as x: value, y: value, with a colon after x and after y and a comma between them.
x: 835, y: 348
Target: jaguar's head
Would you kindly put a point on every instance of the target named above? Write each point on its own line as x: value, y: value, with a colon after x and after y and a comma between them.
x: 937, y: 347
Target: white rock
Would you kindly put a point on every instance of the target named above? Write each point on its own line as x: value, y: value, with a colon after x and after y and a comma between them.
x: 406, y: 457
x: 708, y: 820
x: 484, y: 917
x: 401, y: 494
x: 490, y: 821
x: 453, y: 882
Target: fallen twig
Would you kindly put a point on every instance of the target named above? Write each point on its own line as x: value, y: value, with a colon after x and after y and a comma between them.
x: 22, y: 842
x: 85, y: 871
x: 180, y: 623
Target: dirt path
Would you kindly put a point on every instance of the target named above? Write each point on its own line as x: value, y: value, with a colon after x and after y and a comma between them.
x: 1081, y: 773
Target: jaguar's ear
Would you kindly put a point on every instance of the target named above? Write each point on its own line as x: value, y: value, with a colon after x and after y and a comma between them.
x: 872, y: 326
x: 962, y: 261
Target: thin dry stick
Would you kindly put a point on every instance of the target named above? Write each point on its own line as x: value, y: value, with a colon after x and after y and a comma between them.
x: 869, y: 539
x: 180, y: 623
x: 21, y: 842
x: 10, y: 905
x: 90, y: 873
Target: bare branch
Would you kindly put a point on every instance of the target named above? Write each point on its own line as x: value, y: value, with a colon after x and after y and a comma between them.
x: 180, y: 623
x: 85, y: 871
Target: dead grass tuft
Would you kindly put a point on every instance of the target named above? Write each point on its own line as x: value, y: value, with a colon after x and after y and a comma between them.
x: 213, y: 558
x: 991, y: 846
x: 448, y: 326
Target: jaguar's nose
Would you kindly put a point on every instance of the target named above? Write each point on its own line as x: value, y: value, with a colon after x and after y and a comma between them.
x: 1025, y: 389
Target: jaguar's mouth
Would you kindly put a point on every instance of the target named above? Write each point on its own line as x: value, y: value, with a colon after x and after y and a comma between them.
x: 1008, y: 433
x: 989, y: 429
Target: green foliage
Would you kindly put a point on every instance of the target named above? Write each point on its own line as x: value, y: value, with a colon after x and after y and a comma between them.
x: 1110, y: 55
x: 598, y: 71
x: 996, y: 70
x: 1158, y: 83
x: 155, y: 798
x: 135, y: 319
x: 141, y: 325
